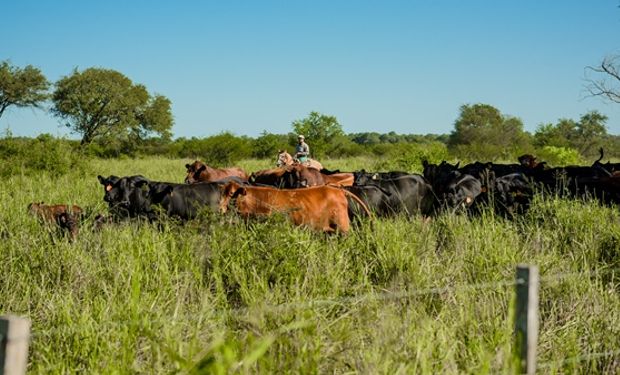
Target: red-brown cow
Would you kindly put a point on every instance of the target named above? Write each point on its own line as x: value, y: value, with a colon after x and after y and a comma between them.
x: 200, y: 172
x: 322, y: 208
x: 63, y: 215
x: 342, y: 179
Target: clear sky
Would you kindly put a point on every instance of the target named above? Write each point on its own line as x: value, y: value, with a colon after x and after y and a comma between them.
x: 250, y: 66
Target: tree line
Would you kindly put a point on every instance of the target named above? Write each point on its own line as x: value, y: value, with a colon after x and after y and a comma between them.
x: 116, y: 117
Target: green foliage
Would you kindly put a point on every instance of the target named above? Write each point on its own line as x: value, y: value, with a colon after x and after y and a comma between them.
x: 44, y: 154
x: 482, y: 132
x: 224, y: 149
x: 222, y: 296
x: 267, y: 145
x: 409, y: 156
x: 559, y: 156
x: 319, y: 131
x: 99, y: 103
x: 25, y: 87
x: 586, y: 135
x: 341, y: 146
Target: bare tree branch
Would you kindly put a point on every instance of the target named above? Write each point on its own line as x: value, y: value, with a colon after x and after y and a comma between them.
x: 607, y: 81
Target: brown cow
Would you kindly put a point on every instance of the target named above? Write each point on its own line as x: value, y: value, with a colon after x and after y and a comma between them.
x: 200, y: 172
x: 321, y: 208
x: 63, y: 215
x: 342, y: 179
x: 300, y: 176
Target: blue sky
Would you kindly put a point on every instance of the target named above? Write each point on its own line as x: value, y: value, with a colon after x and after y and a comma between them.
x: 246, y: 67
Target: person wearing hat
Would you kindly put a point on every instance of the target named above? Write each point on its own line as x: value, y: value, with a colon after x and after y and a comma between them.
x: 302, y: 151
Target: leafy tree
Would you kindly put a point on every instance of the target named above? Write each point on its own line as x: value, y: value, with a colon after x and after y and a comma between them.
x: 481, y: 131
x: 21, y: 87
x: 226, y: 149
x: 585, y: 135
x: 99, y: 103
x: 559, y: 135
x: 319, y: 131
x: 591, y: 130
x: 267, y: 145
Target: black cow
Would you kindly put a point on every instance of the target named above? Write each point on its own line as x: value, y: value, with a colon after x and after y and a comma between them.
x: 461, y: 191
x: 185, y: 201
x: 126, y: 196
x: 362, y: 177
x: 512, y: 194
x: 410, y: 194
x: 376, y: 199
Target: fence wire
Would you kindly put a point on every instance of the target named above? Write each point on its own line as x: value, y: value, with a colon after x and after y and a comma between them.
x: 577, y: 359
x: 381, y: 295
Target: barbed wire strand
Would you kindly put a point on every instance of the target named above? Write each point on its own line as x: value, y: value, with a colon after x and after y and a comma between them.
x: 577, y: 359
x: 372, y: 296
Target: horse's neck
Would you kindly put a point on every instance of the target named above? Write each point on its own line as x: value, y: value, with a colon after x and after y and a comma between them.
x: 286, y: 159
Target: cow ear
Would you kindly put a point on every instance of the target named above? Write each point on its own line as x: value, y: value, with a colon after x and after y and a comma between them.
x: 101, y: 179
x: 424, y: 163
x: 187, y: 166
x: 457, y: 165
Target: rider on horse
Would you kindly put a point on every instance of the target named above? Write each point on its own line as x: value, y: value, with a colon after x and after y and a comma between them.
x: 302, y: 150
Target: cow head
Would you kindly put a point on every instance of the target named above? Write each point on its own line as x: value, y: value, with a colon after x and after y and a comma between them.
x: 194, y: 171
x: 229, y: 191
x: 34, y: 207
x: 127, y: 196
x: 108, y: 182
x: 362, y: 177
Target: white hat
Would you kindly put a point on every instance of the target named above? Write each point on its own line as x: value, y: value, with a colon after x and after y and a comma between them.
x: 300, y: 136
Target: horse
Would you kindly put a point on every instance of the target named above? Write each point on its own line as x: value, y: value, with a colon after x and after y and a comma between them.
x: 286, y: 159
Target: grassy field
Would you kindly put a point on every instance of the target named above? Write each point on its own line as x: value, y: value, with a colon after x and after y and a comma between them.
x: 218, y: 296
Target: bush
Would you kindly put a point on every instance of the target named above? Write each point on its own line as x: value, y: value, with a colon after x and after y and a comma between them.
x: 409, y: 156
x: 42, y: 154
x: 224, y: 149
x: 559, y: 156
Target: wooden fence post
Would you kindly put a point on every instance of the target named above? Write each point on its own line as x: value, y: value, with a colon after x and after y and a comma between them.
x: 526, y: 318
x: 14, y: 339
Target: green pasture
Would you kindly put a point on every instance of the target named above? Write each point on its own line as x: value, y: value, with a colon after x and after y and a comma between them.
x: 218, y: 296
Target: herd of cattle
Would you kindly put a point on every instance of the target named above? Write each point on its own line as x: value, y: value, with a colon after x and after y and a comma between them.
x: 328, y: 200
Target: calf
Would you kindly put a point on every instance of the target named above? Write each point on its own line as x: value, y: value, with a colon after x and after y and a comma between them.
x: 62, y: 215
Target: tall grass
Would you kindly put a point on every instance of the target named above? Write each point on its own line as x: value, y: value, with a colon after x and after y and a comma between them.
x: 216, y: 295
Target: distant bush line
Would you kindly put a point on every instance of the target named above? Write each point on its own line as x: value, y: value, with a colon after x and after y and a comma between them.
x: 391, y: 151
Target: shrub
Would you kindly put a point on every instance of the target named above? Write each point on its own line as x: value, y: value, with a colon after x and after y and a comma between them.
x: 559, y: 156
x: 409, y: 156
x: 42, y: 154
